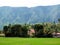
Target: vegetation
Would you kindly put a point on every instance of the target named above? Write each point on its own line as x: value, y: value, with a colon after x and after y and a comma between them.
x: 29, y: 41
x: 41, y: 30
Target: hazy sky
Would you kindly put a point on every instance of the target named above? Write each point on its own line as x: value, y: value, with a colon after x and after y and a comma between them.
x: 28, y: 3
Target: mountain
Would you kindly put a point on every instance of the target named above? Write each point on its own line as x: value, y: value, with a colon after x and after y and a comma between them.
x: 31, y: 15
x: 46, y: 13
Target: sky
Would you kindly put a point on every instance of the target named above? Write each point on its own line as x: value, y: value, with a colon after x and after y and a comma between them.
x: 28, y: 3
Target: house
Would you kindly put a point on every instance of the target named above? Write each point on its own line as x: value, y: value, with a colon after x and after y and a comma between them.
x: 31, y: 32
x: 56, y: 34
x: 2, y: 35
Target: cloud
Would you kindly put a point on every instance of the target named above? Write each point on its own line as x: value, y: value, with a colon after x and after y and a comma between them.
x: 28, y: 3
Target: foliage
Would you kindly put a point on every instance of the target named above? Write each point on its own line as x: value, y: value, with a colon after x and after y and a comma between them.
x: 41, y: 30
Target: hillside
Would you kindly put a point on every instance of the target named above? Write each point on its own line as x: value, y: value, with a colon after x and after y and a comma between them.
x: 31, y: 15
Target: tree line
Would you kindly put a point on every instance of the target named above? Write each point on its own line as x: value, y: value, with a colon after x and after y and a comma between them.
x: 41, y: 30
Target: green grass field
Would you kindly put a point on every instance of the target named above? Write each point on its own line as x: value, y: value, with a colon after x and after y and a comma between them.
x: 29, y: 41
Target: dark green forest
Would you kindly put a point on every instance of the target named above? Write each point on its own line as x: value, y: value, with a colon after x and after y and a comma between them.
x: 25, y: 30
x: 32, y: 30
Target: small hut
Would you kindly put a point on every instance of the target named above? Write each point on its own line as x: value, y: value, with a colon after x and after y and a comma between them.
x: 56, y: 34
x: 31, y: 32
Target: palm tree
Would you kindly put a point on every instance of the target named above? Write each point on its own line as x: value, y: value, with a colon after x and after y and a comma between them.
x: 59, y: 20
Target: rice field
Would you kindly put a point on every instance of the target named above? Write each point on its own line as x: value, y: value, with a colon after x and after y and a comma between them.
x: 29, y: 41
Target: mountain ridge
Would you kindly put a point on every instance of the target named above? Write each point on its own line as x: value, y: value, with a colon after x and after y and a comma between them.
x: 27, y: 15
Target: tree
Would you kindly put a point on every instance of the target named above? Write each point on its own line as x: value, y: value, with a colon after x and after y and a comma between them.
x: 6, y: 31
x: 59, y: 20
x: 25, y: 29
x: 39, y: 30
x: 16, y: 30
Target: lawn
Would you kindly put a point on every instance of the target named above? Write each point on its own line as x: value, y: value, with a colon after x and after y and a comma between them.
x: 29, y: 41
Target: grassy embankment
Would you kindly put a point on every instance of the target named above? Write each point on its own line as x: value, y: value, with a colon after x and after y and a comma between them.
x: 29, y: 41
